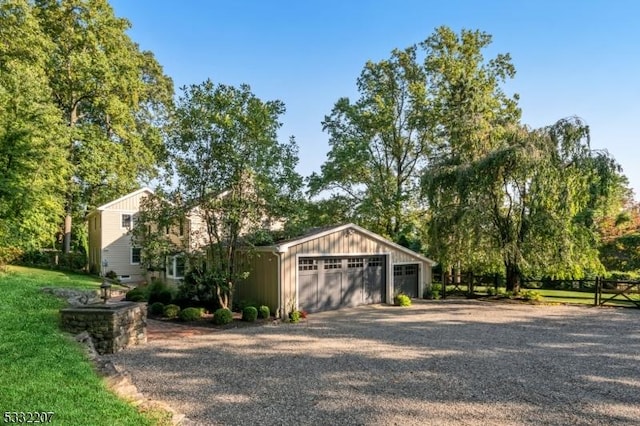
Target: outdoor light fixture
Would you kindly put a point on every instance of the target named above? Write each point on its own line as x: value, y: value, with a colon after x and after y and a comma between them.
x: 105, y: 291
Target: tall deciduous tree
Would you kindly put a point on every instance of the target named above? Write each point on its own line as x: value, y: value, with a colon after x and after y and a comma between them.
x: 232, y: 173
x: 33, y: 164
x: 471, y: 114
x: 110, y: 94
x: 530, y: 199
x: 378, y: 143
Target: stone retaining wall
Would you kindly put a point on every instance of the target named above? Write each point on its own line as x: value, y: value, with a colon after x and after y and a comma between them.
x: 112, y: 326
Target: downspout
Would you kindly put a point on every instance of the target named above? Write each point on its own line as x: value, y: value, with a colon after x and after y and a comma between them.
x: 280, y: 314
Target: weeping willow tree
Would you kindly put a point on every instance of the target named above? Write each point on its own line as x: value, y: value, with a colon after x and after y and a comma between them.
x: 529, y: 202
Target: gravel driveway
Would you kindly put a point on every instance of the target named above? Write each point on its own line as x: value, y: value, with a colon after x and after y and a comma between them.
x: 449, y: 362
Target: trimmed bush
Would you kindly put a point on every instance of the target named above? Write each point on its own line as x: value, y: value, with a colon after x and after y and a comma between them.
x: 190, y: 314
x: 249, y: 314
x: 136, y: 295
x: 156, y: 308
x: 222, y: 316
x: 264, y: 312
x: 402, y: 300
x: 159, y: 291
x: 294, y: 316
x: 171, y: 311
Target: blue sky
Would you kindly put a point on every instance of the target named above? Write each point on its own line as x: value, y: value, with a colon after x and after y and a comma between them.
x: 572, y: 57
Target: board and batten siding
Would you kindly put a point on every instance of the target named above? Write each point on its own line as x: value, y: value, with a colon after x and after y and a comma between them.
x: 341, y: 243
x: 95, y: 242
x: 261, y: 286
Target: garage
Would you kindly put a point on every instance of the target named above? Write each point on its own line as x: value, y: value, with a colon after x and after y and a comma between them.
x: 331, y: 268
x: 405, y: 279
x: 327, y: 283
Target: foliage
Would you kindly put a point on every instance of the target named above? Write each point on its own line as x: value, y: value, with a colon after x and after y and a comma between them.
x: 501, y: 193
x: 172, y: 311
x: 402, y: 300
x: 294, y: 316
x: 112, y: 275
x: 222, y: 316
x: 378, y: 144
x: 249, y: 314
x: 156, y: 308
x: 136, y: 295
x: 264, y: 312
x: 232, y: 176
x: 58, y: 376
x: 531, y: 295
x: 190, y: 314
x: 112, y: 97
x: 159, y: 291
x: 33, y: 164
x: 621, y: 253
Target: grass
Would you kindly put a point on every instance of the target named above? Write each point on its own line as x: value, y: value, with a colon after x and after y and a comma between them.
x: 42, y: 368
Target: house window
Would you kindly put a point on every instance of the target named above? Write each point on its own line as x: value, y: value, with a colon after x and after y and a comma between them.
x: 126, y: 221
x: 175, y: 267
x: 136, y: 255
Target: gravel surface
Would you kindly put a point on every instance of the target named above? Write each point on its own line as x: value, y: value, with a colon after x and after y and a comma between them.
x: 449, y: 362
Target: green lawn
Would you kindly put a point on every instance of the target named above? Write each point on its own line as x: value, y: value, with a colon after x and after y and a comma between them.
x: 41, y: 368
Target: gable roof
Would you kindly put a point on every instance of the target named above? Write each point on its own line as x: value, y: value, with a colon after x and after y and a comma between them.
x: 124, y: 197
x: 283, y: 246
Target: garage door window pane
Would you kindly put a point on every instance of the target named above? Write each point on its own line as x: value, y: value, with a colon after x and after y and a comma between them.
x: 355, y: 262
x: 374, y: 261
x: 307, y: 265
x: 332, y: 263
x: 397, y: 271
x: 410, y: 270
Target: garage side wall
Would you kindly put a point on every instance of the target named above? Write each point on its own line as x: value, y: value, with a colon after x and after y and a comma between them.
x: 261, y: 286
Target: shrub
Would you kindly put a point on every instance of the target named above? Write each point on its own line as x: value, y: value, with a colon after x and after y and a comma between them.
x: 294, y: 316
x: 249, y: 314
x: 111, y: 275
x: 171, y: 311
x: 533, y: 296
x: 243, y: 304
x: 402, y: 300
x: 264, y: 312
x: 190, y: 314
x: 222, y: 316
x: 490, y: 291
x: 136, y: 295
x: 156, y: 308
x: 159, y: 291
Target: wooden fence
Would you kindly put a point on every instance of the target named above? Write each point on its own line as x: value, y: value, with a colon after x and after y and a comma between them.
x: 604, y: 291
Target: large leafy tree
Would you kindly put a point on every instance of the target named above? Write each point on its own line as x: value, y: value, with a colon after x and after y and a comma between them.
x: 471, y: 113
x: 33, y: 165
x: 111, y: 95
x: 378, y: 144
x: 233, y: 176
x: 531, y: 199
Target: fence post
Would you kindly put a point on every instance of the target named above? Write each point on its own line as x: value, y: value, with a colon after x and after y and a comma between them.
x: 445, y: 280
x: 495, y: 283
x: 596, y: 293
x: 470, y: 285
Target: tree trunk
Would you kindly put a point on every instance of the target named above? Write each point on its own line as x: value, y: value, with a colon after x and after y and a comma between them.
x: 513, y: 277
x: 67, y: 233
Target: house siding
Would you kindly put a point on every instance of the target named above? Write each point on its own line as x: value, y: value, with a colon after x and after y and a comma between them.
x: 116, y: 246
x: 261, y: 286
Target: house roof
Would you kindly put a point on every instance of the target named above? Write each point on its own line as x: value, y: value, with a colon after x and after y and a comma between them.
x: 283, y: 246
x: 124, y: 197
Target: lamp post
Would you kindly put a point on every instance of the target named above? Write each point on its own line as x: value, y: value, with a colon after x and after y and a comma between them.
x: 105, y: 287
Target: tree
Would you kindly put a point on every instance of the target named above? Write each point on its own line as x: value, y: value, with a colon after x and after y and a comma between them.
x: 232, y: 175
x: 378, y: 144
x: 33, y: 164
x: 111, y: 95
x: 529, y: 199
x: 470, y: 114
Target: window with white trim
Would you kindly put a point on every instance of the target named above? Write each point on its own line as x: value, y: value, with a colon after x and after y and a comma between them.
x: 175, y: 266
x: 136, y: 255
x: 126, y: 221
